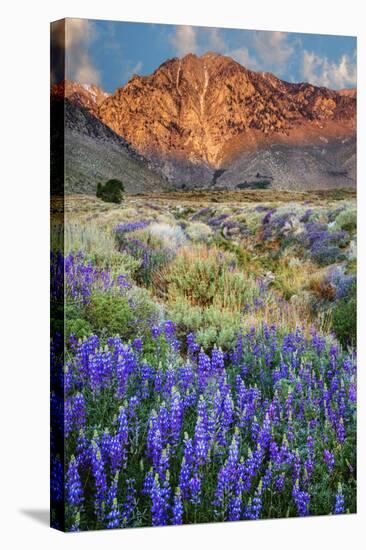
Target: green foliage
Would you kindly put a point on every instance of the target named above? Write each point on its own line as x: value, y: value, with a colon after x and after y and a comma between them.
x: 347, y: 220
x: 88, y: 238
x: 344, y: 319
x: 109, y: 313
x: 127, y: 315
x: 75, y: 323
x: 111, y: 191
x: 118, y: 263
x: 212, y: 325
x: 206, y: 276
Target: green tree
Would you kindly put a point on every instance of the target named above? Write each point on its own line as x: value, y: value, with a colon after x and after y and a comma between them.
x: 111, y: 191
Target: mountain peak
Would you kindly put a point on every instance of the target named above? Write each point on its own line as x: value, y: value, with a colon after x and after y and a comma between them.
x: 209, y: 109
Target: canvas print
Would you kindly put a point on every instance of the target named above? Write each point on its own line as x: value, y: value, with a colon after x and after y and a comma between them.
x: 203, y: 275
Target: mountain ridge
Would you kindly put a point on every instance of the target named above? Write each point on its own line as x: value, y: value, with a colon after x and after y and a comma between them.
x: 195, y: 117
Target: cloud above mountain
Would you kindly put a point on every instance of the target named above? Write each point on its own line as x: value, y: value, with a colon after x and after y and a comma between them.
x: 79, y: 35
x: 332, y: 74
x: 110, y: 52
x: 272, y: 51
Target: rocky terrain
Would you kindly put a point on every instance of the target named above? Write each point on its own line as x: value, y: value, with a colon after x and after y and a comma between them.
x: 210, y: 122
x: 94, y: 152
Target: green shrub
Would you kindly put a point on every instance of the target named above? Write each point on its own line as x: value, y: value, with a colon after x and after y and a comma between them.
x: 118, y: 263
x: 347, y: 220
x: 111, y: 191
x: 78, y: 327
x: 109, y: 313
x: 212, y: 325
x: 88, y: 238
x: 128, y: 315
x: 344, y: 319
x: 206, y: 276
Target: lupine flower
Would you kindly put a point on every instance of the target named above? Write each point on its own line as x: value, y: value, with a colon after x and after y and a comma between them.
x: 113, y: 514
x: 158, y: 503
x: 285, y: 397
x: 339, y: 501
x: 329, y: 459
x: 195, y: 489
x: 100, y: 478
x: 177, y: 518
x: 129, y: 503
x: 302, y: 500
x: 74, y: 492
x: 200, y: 441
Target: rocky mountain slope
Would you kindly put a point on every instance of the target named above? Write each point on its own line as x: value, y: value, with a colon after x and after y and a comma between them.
x: 93, y: 151
x: 208, y: 121
x: 199, y: 115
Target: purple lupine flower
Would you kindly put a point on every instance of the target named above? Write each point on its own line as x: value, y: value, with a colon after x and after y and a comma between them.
x: 74, y: 492
x: 176, y: 420
x: 177, y: 510
x: 217, y: 360
x: 100, y: 478
x: 129, y: 503
x: 228, y: 411
x: 184, y: 478
x: 192, y: 346
x: 200, y: 442
x: 302, y: 500
x: 204, y: 367
x: 234, y: 508
x: 158, y: 503
x: 267, y: 477
x: 128, y: 227
x: 148, y: 482
x: 280, y: 483
x: 195, y: 489
x: 155, y: 332
x: 329, y: 460
x: 339, y: 501
x: 113, y: 514
x: 254, y: 506
x: 79, y: 411
x: 341, y: 431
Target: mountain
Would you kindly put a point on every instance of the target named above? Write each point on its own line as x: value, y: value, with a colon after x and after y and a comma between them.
x: 93, y: 152
x: 210, y: 121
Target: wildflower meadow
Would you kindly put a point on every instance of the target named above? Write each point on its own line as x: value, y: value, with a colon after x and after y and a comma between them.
x: 206, y: 369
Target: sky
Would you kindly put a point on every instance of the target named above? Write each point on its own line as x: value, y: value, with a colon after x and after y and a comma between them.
x: 108, y: 53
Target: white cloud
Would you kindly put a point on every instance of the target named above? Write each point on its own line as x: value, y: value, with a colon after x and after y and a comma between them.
x: 184, y: 40
x: 332, y: 74
x: 242, y: 56
x: 216, y: 41
x: 136, y: 69
x: 79, y: 34
x: 274, y: 49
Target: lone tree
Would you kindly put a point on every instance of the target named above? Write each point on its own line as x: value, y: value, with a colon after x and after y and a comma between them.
x: 111, y: 191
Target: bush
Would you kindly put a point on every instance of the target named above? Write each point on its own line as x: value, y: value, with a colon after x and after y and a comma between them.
x: 111, y: 191
x: 347, y: 219
x: 88, y: 238
x: 205, y: 276
x: 344, y: 319
x: 128, y: 315
x: 110, y: 313
x: 117, y: 263
x: 198, y: 231
x: 170, y: 236
x: 211, y: 324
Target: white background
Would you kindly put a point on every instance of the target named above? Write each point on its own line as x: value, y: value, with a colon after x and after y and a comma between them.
x: 24, y: 188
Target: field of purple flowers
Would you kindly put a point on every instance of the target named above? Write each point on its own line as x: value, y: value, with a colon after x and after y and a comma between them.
x: 162, y: 423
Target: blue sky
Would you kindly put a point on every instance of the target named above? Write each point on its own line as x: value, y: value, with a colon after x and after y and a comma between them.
x: 108, y: 53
